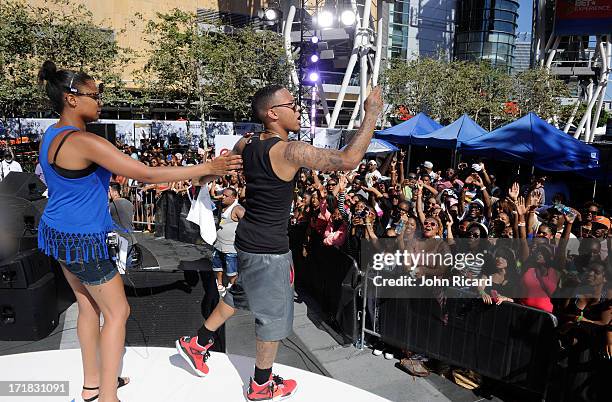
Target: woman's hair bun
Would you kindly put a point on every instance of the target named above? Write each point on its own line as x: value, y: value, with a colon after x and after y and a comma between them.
x: 47, y: 71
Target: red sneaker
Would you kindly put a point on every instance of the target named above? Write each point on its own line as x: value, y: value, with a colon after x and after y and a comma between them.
x: 275, y: 389
x: 194, y: 354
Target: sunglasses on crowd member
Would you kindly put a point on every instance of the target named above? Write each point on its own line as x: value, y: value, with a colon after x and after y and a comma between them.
x: 430, y: 223
x: 412, y: 177
x: 291, y: 105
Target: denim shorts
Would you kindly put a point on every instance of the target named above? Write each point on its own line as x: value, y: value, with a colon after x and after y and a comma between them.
x: 221, y: 260
x: 92, y: 273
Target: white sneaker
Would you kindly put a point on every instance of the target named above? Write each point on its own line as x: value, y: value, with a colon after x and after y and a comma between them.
x: 388, y: 355
x: 377, y: 352
x: 229, y: 286
x: 221, y: 290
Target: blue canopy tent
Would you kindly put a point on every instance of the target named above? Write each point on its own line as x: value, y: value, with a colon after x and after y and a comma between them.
x: 378, y: 146
x: 532, y: 140
x: 452, y: 136
x: 404, y: 132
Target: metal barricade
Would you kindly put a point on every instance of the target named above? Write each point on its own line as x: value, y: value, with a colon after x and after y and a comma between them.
x: 144, y: 207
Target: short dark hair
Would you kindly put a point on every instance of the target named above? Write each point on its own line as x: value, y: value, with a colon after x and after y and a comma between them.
x: 59, y: 82
x: 262, y: 100
x: 232, y: 190
x: 115, y: 186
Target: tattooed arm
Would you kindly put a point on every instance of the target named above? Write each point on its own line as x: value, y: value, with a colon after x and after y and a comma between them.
x: 299, y: 154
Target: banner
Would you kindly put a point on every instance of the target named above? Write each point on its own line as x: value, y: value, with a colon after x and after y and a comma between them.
x: 327, y: 138
x: 34, y: 127
x: 225, y: 143
x: 124, y: 130
x: 142, y: 131
x: 243, y: 128
x: 583, y: 17
x: 214, y: 128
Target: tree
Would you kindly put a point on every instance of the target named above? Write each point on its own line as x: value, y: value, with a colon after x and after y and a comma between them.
x: 536, y: 90
x: 208, y: 68
x: 61, y: 31
x: 445, y: 90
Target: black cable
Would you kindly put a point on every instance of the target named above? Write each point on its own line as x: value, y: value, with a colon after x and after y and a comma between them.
x: 302, y: 354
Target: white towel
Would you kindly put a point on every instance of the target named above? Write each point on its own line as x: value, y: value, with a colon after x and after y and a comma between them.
x: 201, y: 213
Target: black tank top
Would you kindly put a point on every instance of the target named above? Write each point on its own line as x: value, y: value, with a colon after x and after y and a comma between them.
x: 263, y: 229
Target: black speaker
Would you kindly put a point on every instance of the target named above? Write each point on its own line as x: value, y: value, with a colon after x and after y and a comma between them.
x: 24, y: 270
x: 19, y: 220
x: 29, y: 314
x: 23, y: 185
x: 103, y: 130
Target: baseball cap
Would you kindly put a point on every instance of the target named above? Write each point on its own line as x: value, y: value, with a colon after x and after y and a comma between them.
x: 428, y: 165
x: 602, y: 220
x: 477, y: 202
x: 373, y: 162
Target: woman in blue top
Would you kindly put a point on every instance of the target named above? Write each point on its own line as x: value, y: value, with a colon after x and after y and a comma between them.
x: 77, y: 166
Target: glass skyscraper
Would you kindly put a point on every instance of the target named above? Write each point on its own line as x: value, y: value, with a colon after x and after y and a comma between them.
x: 486, y: 30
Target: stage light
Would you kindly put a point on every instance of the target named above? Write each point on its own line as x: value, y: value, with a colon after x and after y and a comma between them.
x: 325, y: 19
x: 314, y: 58
x: 270, y: 15
x: 348, y: 18
x: 314, y: 39
x: 314, y: 76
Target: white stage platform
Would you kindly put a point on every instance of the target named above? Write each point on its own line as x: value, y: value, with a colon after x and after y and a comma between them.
x: 160, y: 374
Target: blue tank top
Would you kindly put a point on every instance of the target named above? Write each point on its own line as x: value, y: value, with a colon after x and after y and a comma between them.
x: 76, y: 218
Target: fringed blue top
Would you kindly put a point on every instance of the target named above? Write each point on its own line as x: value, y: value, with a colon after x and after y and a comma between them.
x: 77, y: 217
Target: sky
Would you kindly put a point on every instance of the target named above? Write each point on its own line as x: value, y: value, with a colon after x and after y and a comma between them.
x: 524, y: 19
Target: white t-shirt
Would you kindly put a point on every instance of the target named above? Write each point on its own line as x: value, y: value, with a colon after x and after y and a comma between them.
x: 6, y: 168
x: 372, y: 177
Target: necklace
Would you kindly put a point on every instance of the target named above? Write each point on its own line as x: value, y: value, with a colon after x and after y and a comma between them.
x: 272, y: 134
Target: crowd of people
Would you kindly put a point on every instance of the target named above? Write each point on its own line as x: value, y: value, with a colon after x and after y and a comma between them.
x: 551, y: 257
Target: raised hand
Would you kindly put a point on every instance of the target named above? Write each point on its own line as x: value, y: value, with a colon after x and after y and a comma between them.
x: 374, y: 102
x: 520, y: 206
x: 514, y: 191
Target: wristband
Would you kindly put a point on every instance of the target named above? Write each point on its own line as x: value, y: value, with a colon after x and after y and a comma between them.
x: 521, y: 224
x: 483, y: 188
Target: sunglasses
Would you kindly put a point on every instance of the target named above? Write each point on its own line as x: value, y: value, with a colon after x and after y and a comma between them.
x: 429, y: 223
x: 93, y: 95
x: 292, y: 105
x: 473, y: 235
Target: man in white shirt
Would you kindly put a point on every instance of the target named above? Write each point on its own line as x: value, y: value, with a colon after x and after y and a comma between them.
x: 373, y: 174
x: 9, y: 165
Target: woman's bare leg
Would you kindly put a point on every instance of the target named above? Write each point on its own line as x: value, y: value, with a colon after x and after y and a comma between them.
x: 88, y: 331
x: 110, y: 297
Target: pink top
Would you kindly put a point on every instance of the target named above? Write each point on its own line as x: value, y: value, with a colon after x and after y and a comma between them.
x: 336, y: 238
x: 323, y: 219
x: 535, y: 295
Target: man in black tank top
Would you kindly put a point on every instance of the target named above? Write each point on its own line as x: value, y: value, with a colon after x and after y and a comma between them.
x: 265, y: 281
